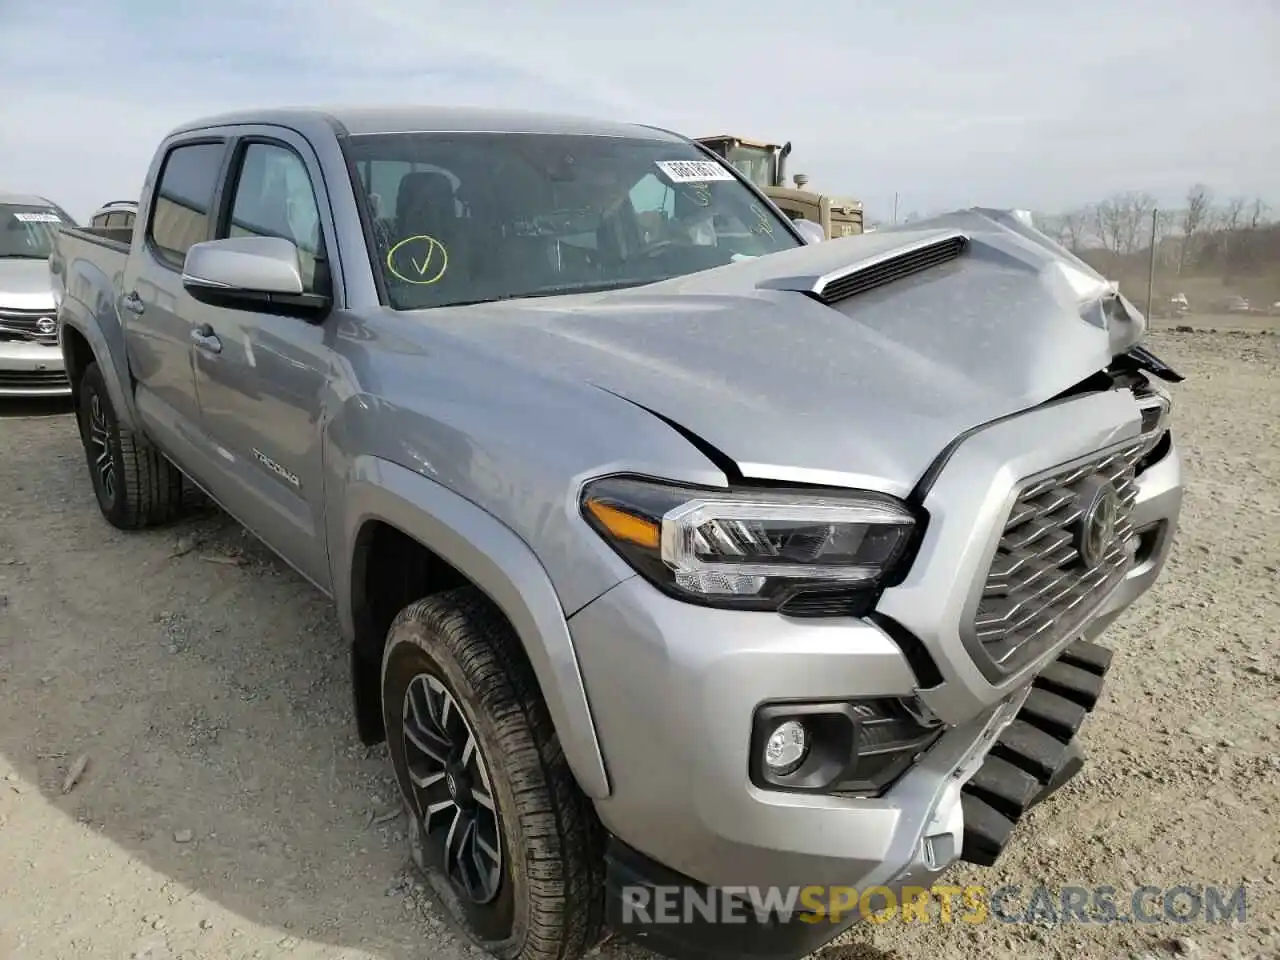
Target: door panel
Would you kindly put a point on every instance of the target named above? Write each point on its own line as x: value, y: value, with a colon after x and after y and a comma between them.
x: 158, y: 312
x: 262, y: 392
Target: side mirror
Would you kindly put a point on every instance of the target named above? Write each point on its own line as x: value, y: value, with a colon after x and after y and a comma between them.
x: 249, y: 273
x: 811, y: 231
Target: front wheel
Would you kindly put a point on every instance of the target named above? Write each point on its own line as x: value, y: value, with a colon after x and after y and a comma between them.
x: 497, y: 823
x: 135, y: 485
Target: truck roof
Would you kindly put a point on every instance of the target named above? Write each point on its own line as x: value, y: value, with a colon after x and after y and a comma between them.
x: 762, y: 144
x: 26, y: 199
x: 429, y: 119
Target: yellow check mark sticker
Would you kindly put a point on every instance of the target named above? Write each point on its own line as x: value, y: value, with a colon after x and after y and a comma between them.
x: 424, y: 260
x: 700, y: 194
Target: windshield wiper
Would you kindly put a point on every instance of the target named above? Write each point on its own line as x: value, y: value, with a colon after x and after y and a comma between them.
x: 560, y: 289
x: 25, y: 256
x: 587, y: 286
x: 472, y: 303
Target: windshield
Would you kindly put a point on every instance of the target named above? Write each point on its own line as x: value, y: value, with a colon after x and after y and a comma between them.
x: 754, y: 163
x: 29, y: 231
x: 461, y: 218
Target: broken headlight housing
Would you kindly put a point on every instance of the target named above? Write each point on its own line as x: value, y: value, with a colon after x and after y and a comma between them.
x: 819, y: 553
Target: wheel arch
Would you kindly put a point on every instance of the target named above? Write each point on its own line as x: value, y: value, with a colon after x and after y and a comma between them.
x: 402, y: 532
x: 89, y: 338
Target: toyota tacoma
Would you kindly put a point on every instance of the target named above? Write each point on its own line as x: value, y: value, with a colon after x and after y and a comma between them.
x: 670, y: 549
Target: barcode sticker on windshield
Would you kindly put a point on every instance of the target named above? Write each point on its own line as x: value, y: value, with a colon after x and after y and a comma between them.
x: 693, y: 171
x: 37, y: 218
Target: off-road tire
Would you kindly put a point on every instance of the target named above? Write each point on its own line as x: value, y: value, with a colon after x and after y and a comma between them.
x: 146, y: 489
x: 550, y: 902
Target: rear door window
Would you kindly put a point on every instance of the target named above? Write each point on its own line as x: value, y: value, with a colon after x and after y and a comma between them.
x: 180, y: 214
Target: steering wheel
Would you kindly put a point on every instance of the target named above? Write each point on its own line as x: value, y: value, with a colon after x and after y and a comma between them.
x: 647, y: 251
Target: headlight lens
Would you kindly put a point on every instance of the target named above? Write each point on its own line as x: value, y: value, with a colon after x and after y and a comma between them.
x: 749, y: 548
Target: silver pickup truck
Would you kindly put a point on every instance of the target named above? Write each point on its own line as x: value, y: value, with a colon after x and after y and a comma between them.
x: 674, y: 554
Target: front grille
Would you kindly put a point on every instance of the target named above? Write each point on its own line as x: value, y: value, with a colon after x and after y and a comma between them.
x: 25, y: 325
x: 1040, y: 589
x: 32, y: 379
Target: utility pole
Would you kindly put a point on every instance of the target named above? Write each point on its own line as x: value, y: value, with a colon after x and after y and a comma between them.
x: 1151, y: 274
x: 895, y: 206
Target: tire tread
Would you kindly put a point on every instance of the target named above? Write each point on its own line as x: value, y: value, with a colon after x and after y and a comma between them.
x: 564, y: 838
x: 149, y: 487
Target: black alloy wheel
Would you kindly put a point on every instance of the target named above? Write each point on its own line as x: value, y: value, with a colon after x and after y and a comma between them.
x: 99, y: 445
x: 452, y: 791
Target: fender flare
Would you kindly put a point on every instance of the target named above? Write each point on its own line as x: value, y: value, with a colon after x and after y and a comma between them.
x: 500, y: 564
x: 106, y: 341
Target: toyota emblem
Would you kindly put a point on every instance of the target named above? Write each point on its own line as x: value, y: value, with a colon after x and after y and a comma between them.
x: 46, y: 326
x: 1097, y: 525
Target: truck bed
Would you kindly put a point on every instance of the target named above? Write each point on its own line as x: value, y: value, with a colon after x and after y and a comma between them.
x: 113, y: 238
x: 87, y: 265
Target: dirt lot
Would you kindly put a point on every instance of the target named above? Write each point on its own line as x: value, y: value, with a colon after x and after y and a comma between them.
x: 226, y: 810
x: 1221, y: 322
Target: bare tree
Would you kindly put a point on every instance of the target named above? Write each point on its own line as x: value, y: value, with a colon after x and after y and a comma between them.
x: 1074, y: 227
x: 1233, y: 213
x: 1108, y: 222
x: 1121, y: 221
x: 1238, y: 236
x: 1258, y: 214
x: 1194, y: 220
x: 1231, y: 219
x: 1141, y: 206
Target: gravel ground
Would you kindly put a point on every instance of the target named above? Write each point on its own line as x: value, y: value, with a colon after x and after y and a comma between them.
x: 225, y: 810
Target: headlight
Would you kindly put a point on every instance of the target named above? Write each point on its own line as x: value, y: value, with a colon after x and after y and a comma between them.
x: 747, y: 548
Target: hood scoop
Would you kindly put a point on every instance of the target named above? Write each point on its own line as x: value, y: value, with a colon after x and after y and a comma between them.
x: 866, y: 277
x: 879, y: 269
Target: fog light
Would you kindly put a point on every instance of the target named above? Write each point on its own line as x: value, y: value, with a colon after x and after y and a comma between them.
x: 787, y: 747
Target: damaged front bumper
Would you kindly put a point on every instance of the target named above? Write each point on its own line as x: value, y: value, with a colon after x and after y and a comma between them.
x: 1025, y: 750
x: 1036, y: 754
x: 681, y: 814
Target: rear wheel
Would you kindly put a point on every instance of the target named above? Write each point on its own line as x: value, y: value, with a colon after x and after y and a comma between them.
x: 497, y: 823
x: 135, y: 485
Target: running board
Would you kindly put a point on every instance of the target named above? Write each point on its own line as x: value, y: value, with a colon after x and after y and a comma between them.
x: 1036, y: 754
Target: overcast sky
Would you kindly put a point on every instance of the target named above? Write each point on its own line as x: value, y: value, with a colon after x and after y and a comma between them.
x: 1012, y: 103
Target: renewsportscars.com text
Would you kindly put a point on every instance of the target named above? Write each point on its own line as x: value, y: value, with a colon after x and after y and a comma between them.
x: 1010, y: 903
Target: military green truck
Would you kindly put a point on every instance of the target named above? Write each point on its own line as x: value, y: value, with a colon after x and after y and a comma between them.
x: 764, y: 164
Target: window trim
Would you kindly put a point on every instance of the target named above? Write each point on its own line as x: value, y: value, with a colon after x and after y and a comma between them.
x: 365, y: 216
x: 231, y: 183
x: 158, y: 255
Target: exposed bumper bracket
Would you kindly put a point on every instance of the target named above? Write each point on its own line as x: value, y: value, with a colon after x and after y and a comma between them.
x: 1036, y: 754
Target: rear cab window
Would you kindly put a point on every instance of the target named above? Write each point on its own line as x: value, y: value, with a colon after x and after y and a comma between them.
x: 184, y: 195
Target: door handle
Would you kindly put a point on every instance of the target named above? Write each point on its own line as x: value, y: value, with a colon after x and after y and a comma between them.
x: 133, y: 303
x: 204, y: 338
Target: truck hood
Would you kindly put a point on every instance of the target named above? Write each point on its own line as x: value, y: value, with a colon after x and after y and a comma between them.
x: 862, y: 390
x: 25, y: 284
